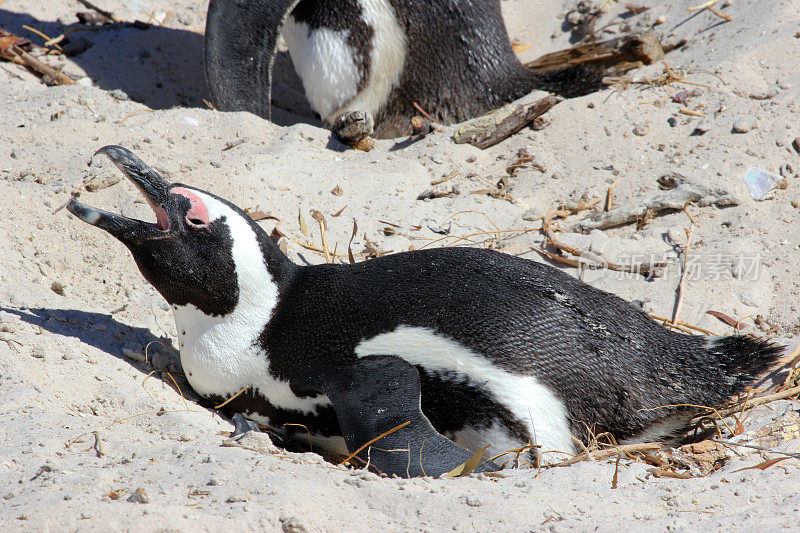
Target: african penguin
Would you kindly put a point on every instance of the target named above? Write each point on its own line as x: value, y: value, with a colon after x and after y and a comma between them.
x: 452, y: 57
x: 459, y: 348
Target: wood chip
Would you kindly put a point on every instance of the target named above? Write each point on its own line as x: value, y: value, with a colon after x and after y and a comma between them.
x: 497, y: 125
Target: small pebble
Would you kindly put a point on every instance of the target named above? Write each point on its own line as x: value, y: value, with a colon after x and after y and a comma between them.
x: 744, y: 125
x: 119, y: 94
x: 58, y: 288
x: 703, y: 126
x: 291, y: 524
x: 139, y: 496
x: 765, y: 94
x: 532, y: 215
x: 77, y: 46
x: 473, y: 501
x: 133, y: 351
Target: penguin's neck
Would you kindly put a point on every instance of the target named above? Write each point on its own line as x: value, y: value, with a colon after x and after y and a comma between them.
x: 222, y: 354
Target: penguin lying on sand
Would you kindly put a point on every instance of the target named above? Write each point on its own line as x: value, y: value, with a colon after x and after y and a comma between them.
x: 452, y: 57
x: 466, y: 347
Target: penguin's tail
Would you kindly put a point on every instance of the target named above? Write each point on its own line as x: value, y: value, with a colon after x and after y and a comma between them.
x: 741, y: 359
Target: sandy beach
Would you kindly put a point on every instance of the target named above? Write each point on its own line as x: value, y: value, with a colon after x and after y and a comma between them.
x: 100, y: 430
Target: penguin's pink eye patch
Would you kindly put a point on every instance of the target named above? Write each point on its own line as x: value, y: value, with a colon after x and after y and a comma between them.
x: 197, y: 216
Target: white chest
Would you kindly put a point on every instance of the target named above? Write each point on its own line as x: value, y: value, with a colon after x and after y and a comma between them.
x: 221, y: 356
x: 218, y: 354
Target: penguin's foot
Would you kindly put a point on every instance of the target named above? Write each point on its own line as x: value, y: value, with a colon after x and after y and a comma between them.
x: 354, y: 128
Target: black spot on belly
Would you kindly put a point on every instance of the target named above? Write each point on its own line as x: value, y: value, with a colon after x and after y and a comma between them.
x: 452, y: 403
x: 342, y: 16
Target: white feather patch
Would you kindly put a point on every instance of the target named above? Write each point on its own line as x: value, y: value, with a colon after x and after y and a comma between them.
x: 531, y: 403
x: 387, y: 58
x: 325, y: 63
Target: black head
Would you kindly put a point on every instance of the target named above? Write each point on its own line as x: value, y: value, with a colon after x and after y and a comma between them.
x: 189, y: 253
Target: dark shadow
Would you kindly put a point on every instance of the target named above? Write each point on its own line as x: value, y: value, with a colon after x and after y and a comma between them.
x: 405, y: 143
x: 288, y: 95
x: 107, y: 334
x: 103, y: 332
x: 157, y: 66
x: 336, y: 145
x: 697, y: 14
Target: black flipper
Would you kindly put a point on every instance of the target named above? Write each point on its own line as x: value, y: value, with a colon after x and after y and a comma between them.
x: 376, y: 394
x: 241, y: 44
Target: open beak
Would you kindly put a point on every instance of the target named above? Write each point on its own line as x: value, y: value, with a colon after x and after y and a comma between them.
x: 148, y: 181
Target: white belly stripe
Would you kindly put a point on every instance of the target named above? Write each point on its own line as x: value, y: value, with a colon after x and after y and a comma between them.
x: 533, y: 404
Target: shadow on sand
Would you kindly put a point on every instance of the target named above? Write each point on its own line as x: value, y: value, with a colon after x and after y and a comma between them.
x: 157, y: 66
x: 103, y: 332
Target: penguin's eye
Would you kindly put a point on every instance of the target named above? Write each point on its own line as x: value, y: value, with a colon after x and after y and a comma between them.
x: 196, y: 222
x: 197, y: 216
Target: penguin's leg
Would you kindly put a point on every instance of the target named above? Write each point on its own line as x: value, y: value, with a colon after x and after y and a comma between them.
x: 380, y: 393
x: 241, y: 42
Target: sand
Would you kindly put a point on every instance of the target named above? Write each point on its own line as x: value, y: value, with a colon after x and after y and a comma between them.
x: 80, y: 426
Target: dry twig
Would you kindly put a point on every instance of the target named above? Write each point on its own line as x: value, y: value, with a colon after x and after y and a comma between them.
x: 56, y: 77
x: 681, y: 284
x: 497, y: 125
x: 371, y: 441
x: 599, y: 455
x: 709, y: 6
x: 591, y: 259
x: 750, y: 403
x: 672, y: 200
x: 103, y: 12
